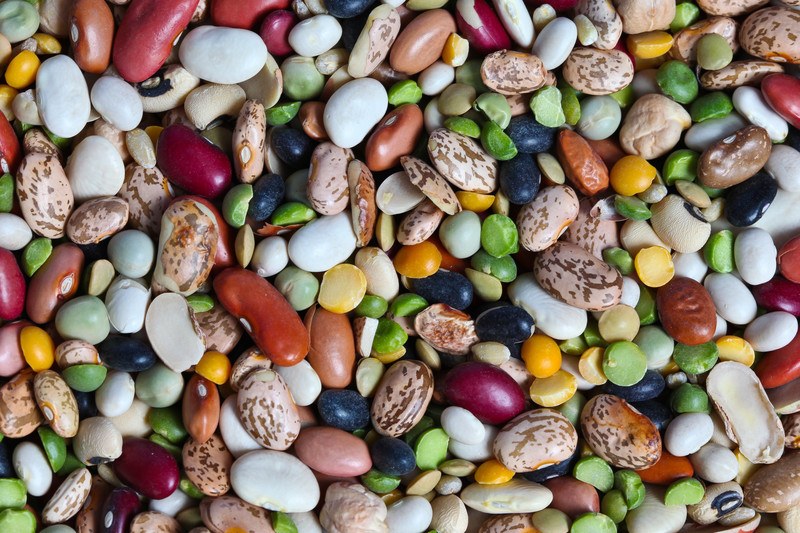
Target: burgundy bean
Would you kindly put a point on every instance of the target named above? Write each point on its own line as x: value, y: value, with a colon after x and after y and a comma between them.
x: 119, y: 509
x: 148, y: 468
x: 275, y: 31
x: 145, y: 36
x: 778, y: 294
x: 489, y: 35
x: 10, y: 151
x: 560, y: 6
x: 782, y: 93
x: 192, y: 163
x: 243, y: 13
x: 486, y: 391
x: 12, y: 286
x: 11, y: 359
x: 54, y: 283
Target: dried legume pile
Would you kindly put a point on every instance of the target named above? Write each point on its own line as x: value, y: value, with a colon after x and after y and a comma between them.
x: 399, y: 267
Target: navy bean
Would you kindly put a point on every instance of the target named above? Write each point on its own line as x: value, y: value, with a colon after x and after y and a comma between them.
x: 126, y: 354
x: 505, y: 323
x: 450, y: 288
x: 747, y: 202
x: 520, y: 179
x: 392, y: 456
x: 268, y: 193
x: 529, y: 136
x: 343, y: 409
x: 292, y: 146
x: 649, y: 387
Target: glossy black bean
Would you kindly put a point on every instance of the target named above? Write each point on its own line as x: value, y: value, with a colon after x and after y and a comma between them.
x: 268, y: 193
x: 6, y: 466
x: 555, y: 470
x: 351, y: 29
x: 793, y: 139
x: 292, y: 146
x: 649, y: 387
x: 445, y: 287
x: 86, y: 405
x: 529, y: 136
x: 343, y: 409
x: 392, y: 456
x: 520, y: 179
x: 119, y: 509
x: 747, y: 202
x: 345, y: 9
x: 127, y: 354
x: 726, y: 502
x: 658, y: 413
x: 508, y: 324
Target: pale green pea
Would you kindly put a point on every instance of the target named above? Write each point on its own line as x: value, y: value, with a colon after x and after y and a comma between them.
x: 389, y: 336
x: 84, y: 378
x: 689, y: 398
x: 6, y: 193
x: 404, y: 92
x: 407, y: 304
x: 55, y: 448
x: 13, y: 493
x: 594, y: 471
x: 573, y: 346
x: 168, y: 422
x: 200, y: 303
x: 464, y: 126
x: 686, y: 491
x: 619, y: 259
x: 593, y: 523
x: 18, y: 21
x: 236, y: 203
x: 631, y: 207
x: 503, y: 268
x: 456, y: 99
x: 613, y: 506
x: 713, y: 52
x: 680, y: 165
x: 299, y: 287
x: 712, y: 105
x: 380, y: 483
x: 600, y: 117
x: 572, y: 408
x: 292, y: 213
x: 551, y: 521
x: 499, y: 235
x: 624, y: 363
x: 461, y: 234
x: 283, y: 523
x: 470, y: 73
x: 159, y: 386
x: 431, y: 448
x: 487, y: 287
x: 718, y: 252
x: 678, y: 81
x: 18, y: 521
x: 686, y: 14
x: 84, y: 318
x: 570, y: 104
x: 495, y: 141
x: 630, y: 484
x: 495, y: 107
x: 35, y: 254
x: 301, y: 79
x: 281, y: 114
x: 547, y: 108
x: 372, y: 306
x: 656, y: 345
x: 696, y: 359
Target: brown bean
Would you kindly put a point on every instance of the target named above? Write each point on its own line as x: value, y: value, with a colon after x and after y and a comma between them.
x: 91, y: 32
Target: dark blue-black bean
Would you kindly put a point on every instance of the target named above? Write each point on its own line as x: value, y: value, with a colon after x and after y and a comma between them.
x: 445, y: 287
x: 6, y: 467
x: 659, y: 413
x: 392, y: 456
x: 555, y: 470
x: 343, y: 409
x: 747, y: 202
x: 127, y: 354
x: 649, y: 387
x: 529, y: 136
x: 345, y: 9
x: 268, y: 193
x: 86, y: 406
x: 520, y: 179
x: 292, y: 146
x: 508, y: 324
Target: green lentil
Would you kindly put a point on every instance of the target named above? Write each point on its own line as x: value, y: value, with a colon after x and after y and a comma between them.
x: 499, y: 236
x: 497, y: 143
x: 712, y: 105
x: 503, y: 268
x: 686, y: 14
x: 168, y: 422
x: 13, y: 493
x: 631, y: 207
x: 470, y: 73
x: 630, y: 484
x: 301, y: 79
x: 35, y: 254
x: 686, y: 491
x: 174, y: 451
x: 550, y: 521
x: 591, y: 335
x: 200, y: 303
x: 656, y: 345
x: 283, y: 523
x: 405, y: 92
x: 380, y: 483
x: 570, y: 104
x: 62, y: 142
x: 696, y: 359
x: 677, y: 81
x: 495, y: 107
x: 713, y: 52
x: 718, y: 252
x: 624, y: 363
x: 457, y: 467
x: 18, y: 521
x: 487, y: 287
x: 572, y: 408
x: 55, y: 448
x: 84, y: 378
x: 281, y: 114
x: 407, y: 304
x: 464, y: 126
x: 299, y: 287
x: 431, y: 448
x: 292, y: 213
x: 547, y: 107
x: 456, y: 99
x: 6, y: 193
x: 594, y: 471
x: 619, y: 259
x: 680, y: 165
x: 236, y: 203
x: 624, y: 97
x: 613, y: 505
x: 573, y: 346
x: 71, y: 463
x: 372, y: 306
x: 389, y: 337
x: 593, y: 523
x: 689, y: 398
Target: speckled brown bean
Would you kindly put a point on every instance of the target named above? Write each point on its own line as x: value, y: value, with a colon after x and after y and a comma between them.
x: 791, y: 427
x: 535, y: 439
x: 402, y: 396
x: 89, y: 519
x: 582, y: 166
x: 508, y: 523
x: 730, y: 8
x: 739, y: 73
x: 735, y: 158
x: 248, y: 141
x: 228, y: 513
x: 418, y: 225
x: 639, y: 17
x: 394, y: 136
x: 363, y: 208
x: 542, y: 221
x: 776, y: 487
x: 68, y: 499
x: 37, y: 142
x: 431, y: 183
x: 76, y: 352
x: 154, y: 522
x: 598, y: 72
x: 332, y: 352
x: 148, y: 194
x: 19, y: 416
x: 54, y: 283
x: 509, y: 72
x: 57, y: 403
x: 462, y: 161
x: 221, y: 329
x: 251, y: 360
x: 605, y: 19
x: 208, y: 465
x: 446, y: 329
x: 592, y: 233
x: 685, y: 45
x: 772, y: 33
x: 374, y: 42
x: 311, y: 120
x: 91, y: 32
x: 619, y: 433
x: 45, y: 196
x: 97, y: 219
x: 420, y: 43
x: 267, y: 410
x: 576, y: 277
x: 327, y: 187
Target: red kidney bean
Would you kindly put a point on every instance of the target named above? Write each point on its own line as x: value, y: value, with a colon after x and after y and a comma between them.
x: 559, y: 5
x: 274, y: 31
x: 54, y: 283
x: 781, y: 366
x: 789, y: 260
x: 200, y: 408
x: 91, y: 34
x: 119, y: 509
x: 243, y: 13
x: 147, y: 468
x: 778, y: 294
x: 12, y: 286
x: 11, y: 359
x: 490, y: 35
x: 266, y: 315
x: 782, y: 93
x: 486, y: 391
x: 192, y: 163
x: 145, y: 36
x: 226, y: 253
x: 10, y: 151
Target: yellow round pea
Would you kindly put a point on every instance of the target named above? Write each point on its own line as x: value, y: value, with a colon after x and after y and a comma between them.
x: 342, y: 288
x: 590, y: 366
x: 456, y: 50
x: 492, y: 472
x: 214, y: 366
x: 473, y: 201
x: 541, y: 355
x: 620, y: 323
x: 654, y: 266
x: 21, y: 72
x: 38, y: 348
x: 631, y: 175
x: 555, y: 390
x: 7, y: 95
x: 733, y: 348
x: 650, y: 44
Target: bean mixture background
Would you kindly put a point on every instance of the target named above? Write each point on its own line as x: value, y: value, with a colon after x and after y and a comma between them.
x: 421, y: 266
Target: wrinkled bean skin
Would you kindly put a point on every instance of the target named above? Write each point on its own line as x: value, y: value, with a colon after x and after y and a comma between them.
x: 12, y: 287
x: 265, y: 315
x: 145, y: 36
x: 54, y: 283
x: 91, y: 33
x: 243, y: 13
x: 686, y: 310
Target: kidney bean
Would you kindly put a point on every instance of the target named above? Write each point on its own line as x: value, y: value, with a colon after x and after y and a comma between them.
x: 275, y: 31
x: 192, y: 163
x: 145, y: 36
x: 120, y: 507
x: 10, y: 152
x: 201, y: 405
x: 265, y: 314
x: 147, y: 468
x: 782, y: 93
x: 781, y: 366
x: 488, y: 34
x: 778, y: 294
x: 91, y: 32
x: 12, y: 286
x: 243, y: 13
x: 54, y: 283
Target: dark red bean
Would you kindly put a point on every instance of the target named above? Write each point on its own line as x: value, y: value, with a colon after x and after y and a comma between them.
x: 789, y: 260
x: 119, y: 509
x: 488, y: 35
x: 243, y: 13
x: 484, y: 390
x: 147, y: 468
x: 10, y: 152
x: 778, y: 294
x: 145, y: 36
x: 275, y: 31
x: 782, y: 93
x: 192, y: 163
x: 781, y: 366
x: 54, y: 283
x: 12, y: 286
